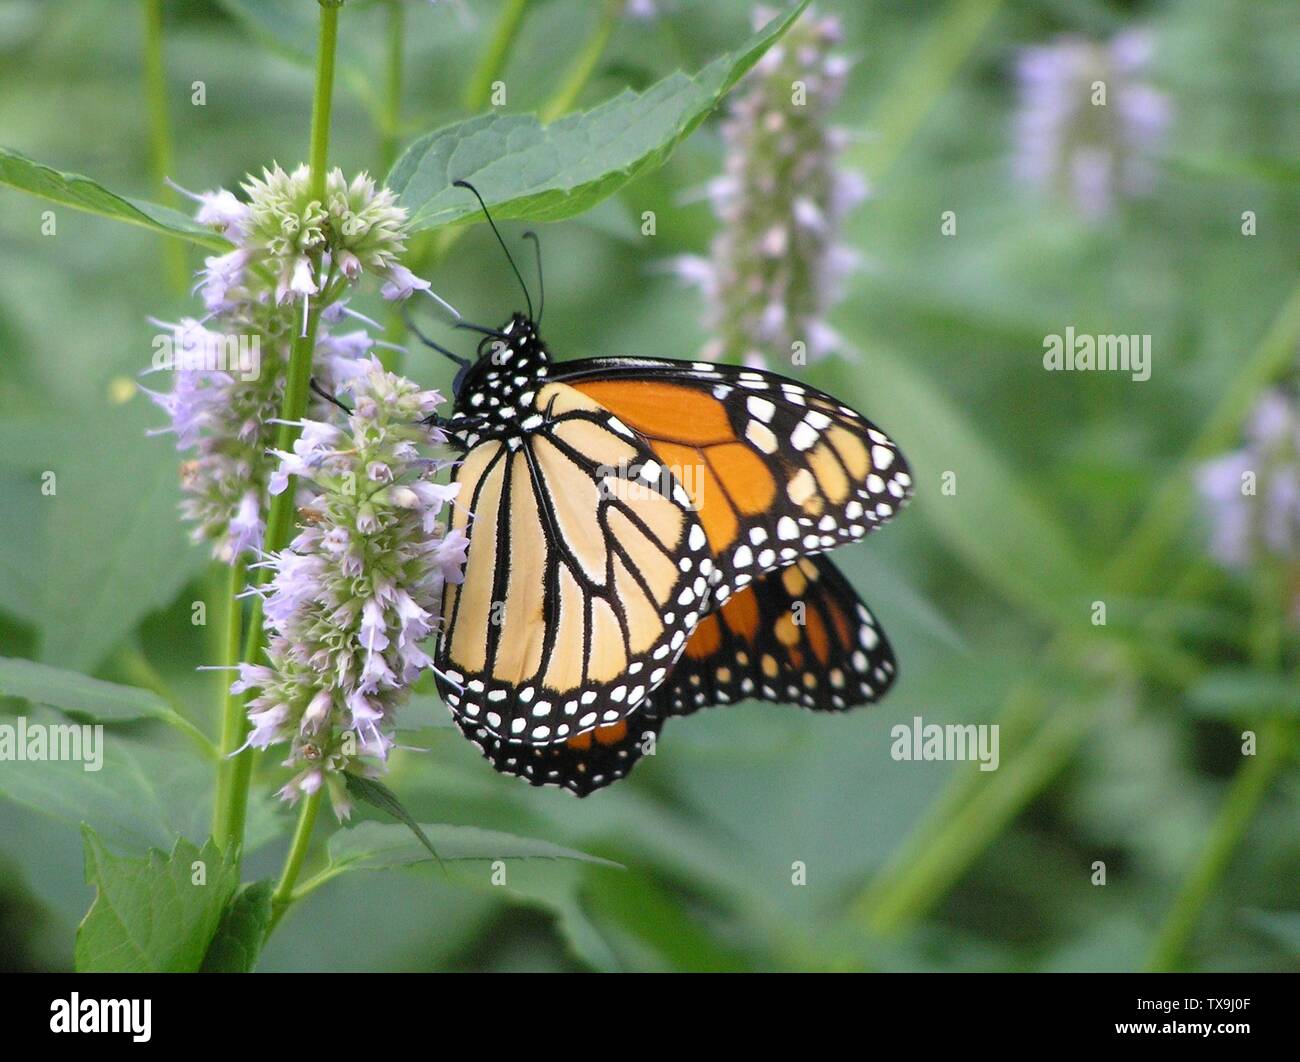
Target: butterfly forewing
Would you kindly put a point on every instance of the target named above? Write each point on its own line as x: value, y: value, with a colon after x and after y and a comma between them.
x: 775, y: 470
x: 581, y: 764
x: 586, y: 572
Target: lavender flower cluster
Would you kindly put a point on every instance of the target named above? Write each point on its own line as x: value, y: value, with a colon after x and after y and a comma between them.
x: 229, y: 367
x: 1253, y: 494
x: 349, y: 603
x: 357, y: 591
x: 776, y: 266
x: 1073, y: 141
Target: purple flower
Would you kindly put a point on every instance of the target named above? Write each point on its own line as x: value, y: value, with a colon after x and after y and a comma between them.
x: 402, y: 283
x: 1071, y: 139
x: 776, y: 267
x: 1252, y: 496
x: 358, y: 590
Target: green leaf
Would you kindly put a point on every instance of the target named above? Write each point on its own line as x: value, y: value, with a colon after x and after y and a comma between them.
x: 149, y: 915
x: 239, y: 938
x: 547, y: 875
x: 1232, y: 692
x: 524, y: 169
x: 378, y: 795
x: 71, y: 691
x: 147, y: 788
x: 381, y: 845
x: 22, y: 549
x: 114, y: 547
x: 557, y: 888
x: 74, y: 190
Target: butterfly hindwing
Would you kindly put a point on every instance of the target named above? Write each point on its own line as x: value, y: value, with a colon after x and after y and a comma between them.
x: 800, y: 635
x: 583, y: 579
x: 775, y: 470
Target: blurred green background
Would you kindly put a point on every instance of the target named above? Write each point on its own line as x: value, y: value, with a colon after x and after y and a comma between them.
x: 1119, y: 743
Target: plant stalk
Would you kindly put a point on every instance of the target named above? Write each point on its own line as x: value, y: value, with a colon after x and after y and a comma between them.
x: 233, y: 810
x: 1239, y: 806
x: 391, y: 120
x: 479, y: 90
x: 161, y: 155
x: 1272, y: 751
x: 283, y: 895
x: 584, y: 66
x: 910, y: 884
x: 232, y: 710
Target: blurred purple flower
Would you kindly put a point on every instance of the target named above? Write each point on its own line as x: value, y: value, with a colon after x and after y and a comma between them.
x: 1069, y: 142
x: 1252, y: 495
x: 776, y: 266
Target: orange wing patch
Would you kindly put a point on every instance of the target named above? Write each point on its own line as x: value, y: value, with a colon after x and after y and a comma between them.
x: 749, y: 485
x: 604, y: 735
x: 658, y: 409
x: 706, y: 639
x: 741, y: 613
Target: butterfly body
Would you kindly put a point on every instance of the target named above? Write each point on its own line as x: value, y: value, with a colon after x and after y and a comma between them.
x: 644, y: 539
x: 496, y: 394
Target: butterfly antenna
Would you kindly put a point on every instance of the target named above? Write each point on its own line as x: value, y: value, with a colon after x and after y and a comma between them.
x: 519, y: 276
x: 541, y: 283
x: 406, y: 316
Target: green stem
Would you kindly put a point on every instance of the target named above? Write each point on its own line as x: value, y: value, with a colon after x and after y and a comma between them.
x: 160, y: 136
x: 1170, y: 507
x: 293, y: 406
x: 315, y: 882
x: 902, y: 898
x: 283, y: 895
x: 390, y: 125
x: 479, y: 89
x: 585, y: 64
x: 323, y: 97
x: 392, y: 113
x: 429, y: 248
x: 279, y: 526
x: 232, y: 712
x: 1273, y: 747
x: 1248, y: 787
x: 924, y: 79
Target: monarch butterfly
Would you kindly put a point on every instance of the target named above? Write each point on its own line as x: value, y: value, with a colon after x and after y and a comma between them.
x: 644, y: 540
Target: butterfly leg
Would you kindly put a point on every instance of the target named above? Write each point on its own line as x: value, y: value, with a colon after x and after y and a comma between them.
x: 315, y: 386
x: 452, y: 429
